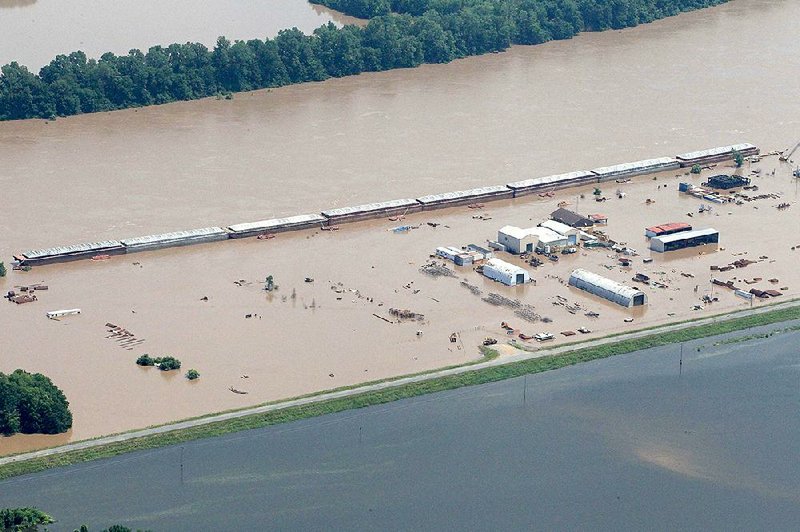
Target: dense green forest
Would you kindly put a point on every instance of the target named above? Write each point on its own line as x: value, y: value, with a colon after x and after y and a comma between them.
x: 400, y: 33
x: 32, y: 404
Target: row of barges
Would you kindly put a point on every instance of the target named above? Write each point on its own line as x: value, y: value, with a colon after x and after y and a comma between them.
x: 394, y: 208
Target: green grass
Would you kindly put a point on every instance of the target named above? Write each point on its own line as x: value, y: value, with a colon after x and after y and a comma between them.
x: 403, y: 391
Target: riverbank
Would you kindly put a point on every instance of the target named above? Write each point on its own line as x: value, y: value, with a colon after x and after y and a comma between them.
x: 387, y: 42
x: 391, y: 390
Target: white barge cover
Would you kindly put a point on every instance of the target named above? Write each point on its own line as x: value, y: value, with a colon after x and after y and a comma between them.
x: 550, y: 180
x: 722, y: 150
x: 370, y: 207
x: 638, y: 167
x: 71, y: 250
x: 177, y: 236
x: 266, y: 225
x: 463, y: 194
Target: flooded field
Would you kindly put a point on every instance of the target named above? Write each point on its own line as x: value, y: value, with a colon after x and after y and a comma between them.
x: 485, y: 120
x: 35, y: 31
x: 338, y: 330
x: 615, y: 444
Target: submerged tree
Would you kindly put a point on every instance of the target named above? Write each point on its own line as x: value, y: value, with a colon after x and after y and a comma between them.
x: 19, y: 519
x: 738, y: 159
x: 696, y: 168
x: 32, y: 404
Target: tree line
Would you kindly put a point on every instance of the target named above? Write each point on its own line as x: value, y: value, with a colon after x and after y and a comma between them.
x: 399, y: 34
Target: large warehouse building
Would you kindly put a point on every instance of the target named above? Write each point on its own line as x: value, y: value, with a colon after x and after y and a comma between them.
x: 508, y: 274
x: 684, y: 239
x: 607, y: 288
x: 518, y: 240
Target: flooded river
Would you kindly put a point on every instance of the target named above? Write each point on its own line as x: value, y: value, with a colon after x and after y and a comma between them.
x: 598, y: 99
x: 35, y: 31
x: 616, y: 444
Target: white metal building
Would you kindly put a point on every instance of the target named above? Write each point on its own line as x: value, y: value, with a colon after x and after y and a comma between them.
x: 518, y: 240
x: 508, y: 274
x: 607, y: 288
x: 570, y: 233
x: 684, y: 239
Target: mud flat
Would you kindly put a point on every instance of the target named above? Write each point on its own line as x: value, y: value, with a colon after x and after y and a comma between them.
x: 338, y: 330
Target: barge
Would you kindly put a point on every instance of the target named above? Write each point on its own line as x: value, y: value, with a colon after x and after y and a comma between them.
x: 178, y: 238
x: 276, y: 225
x: 70, y: 253
x: 716, y: 155
x: 464, y: 197
x: 372, y: 210
x: 552, y: 182
x: 646, y: 166
x: 327, y: 219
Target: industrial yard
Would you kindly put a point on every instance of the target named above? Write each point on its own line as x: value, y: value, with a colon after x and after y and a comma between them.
x: 369, y: 301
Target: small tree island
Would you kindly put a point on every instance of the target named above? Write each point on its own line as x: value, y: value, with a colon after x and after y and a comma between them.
x: 31, y: 404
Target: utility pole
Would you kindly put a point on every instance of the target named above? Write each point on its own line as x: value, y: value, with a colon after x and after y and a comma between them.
x: 182, y: 465
x: 680, y: 362
x: 525, y: 390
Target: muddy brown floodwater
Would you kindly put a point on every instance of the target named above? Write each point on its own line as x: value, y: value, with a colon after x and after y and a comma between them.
x: 598, y: 99
x: 35, y: 31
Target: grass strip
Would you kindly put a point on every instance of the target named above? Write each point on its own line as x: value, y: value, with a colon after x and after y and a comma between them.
x: 403, y: 391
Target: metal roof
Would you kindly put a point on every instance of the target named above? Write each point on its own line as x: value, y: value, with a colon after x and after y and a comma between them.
x: 645, y: 164
x: 459, y: 194
x: 551, y: 179
x: 558, y: 227
x: 672, y: 226
x: 685, y: 235
x: 76, y: 248
x: 514, y: 232
x: 504, y: 267
x: 277, y: 222
x: 716, y: 151
x: 177, y: 235
x: 369, y: 207
x: 546, y: 235
x: 605, y: 283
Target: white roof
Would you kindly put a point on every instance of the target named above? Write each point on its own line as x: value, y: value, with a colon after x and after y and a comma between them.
x: 605, y: 283
x: 685, y: 235
x: 276, y: 222
x: 551, y: 179
x: 76, y: 248
x: 558, y: 227
x: 514, y: 232
x: 716, y: 151
x: 459, y: 194
x: 545, y: 235
x: 369, y: 207
x: 635, y: 166
x: 504, y: 267
x: 151, y: 239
